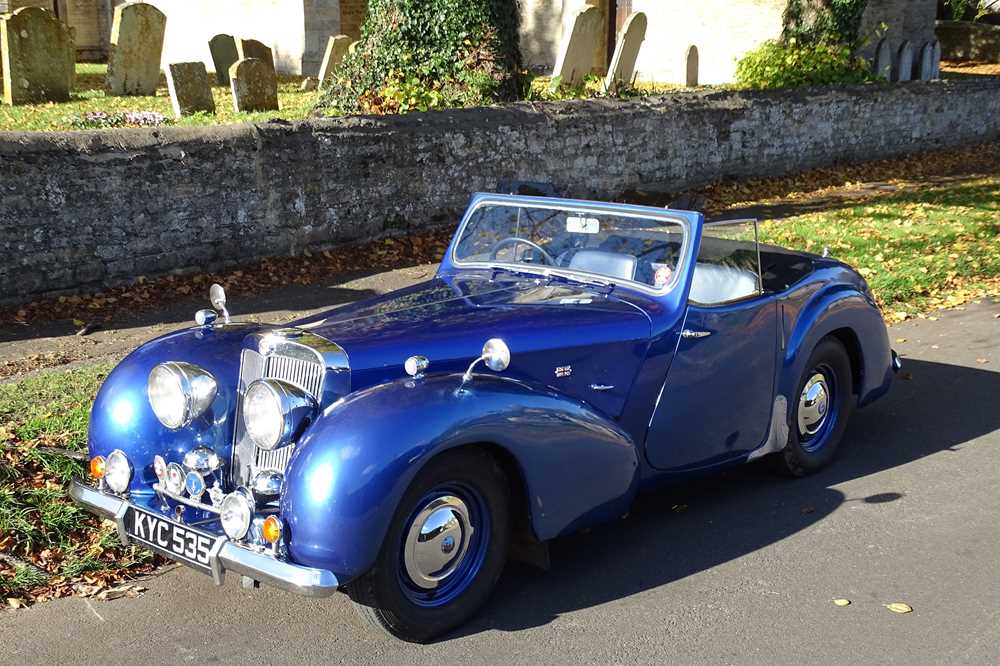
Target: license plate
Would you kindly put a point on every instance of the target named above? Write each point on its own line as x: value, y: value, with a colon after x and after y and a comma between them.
x: 166, y: 537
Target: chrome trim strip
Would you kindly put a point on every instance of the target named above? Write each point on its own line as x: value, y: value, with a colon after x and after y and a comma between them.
x: 225, y: 555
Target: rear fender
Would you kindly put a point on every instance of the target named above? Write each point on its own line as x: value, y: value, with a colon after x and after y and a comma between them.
x: 347, y: 476
x: 829, y: 310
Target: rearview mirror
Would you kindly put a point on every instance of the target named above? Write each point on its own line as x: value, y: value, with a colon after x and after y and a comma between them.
x: 496, y: 355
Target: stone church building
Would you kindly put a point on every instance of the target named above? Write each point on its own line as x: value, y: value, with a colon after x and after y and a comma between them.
x: 297, y: 30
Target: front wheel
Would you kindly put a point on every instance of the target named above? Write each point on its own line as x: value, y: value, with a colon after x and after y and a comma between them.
x: 444, y: 551
x: 820, y: 410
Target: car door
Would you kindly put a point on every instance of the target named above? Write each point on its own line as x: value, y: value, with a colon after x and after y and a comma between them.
x: 715, y: 403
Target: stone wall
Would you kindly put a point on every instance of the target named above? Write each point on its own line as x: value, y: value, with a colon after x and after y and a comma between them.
x: 88, y: 209
x: 964, y: 40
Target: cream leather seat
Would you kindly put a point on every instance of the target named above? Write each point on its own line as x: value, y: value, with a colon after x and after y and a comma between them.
x: 713, y: 283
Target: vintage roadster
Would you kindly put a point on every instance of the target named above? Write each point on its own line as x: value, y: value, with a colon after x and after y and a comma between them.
x: 382, y: 449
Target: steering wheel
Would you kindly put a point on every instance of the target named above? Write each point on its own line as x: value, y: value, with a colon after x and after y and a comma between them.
x: 514, y: 240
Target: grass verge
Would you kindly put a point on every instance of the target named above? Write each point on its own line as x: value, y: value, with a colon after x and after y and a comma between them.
x: 919, y: 250
x: 49, y: 546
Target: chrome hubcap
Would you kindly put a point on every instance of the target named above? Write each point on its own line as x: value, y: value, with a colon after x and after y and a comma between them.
x: 437, y: 541
x: 814, y: 405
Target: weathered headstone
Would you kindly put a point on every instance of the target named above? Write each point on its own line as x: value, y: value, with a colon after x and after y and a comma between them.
x: 926, y: 62
x: 190, y: 90
x: 691, y: 66
x: 903, y: 70
x: 254, y: 86
x: 883, y: 60
x: 576, y: 53
x: 936, y: 61
x: 630, y: 38
x: 336, y: 49
x: 136, y: 47
x: 223, y: 50
x: 251, y: 48
x: 38, y: 57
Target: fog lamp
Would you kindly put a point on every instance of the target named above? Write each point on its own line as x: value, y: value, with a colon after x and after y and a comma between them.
x: 236, y: 513
x: 160, y: 468
x: 271, y: 531
x: 117, y: 471
x: 175, y: 479
x: 97, y: 467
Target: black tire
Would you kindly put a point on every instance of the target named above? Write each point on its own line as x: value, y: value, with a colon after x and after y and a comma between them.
x: 385, y: 595
x: 807, y: 452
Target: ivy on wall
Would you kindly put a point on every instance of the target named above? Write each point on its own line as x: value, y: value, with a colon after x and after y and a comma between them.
x: 424, y: 54
x: 824, y: 21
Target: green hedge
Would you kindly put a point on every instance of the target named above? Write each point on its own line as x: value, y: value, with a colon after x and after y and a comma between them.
x: 791, y: 64
x: 423, y: 54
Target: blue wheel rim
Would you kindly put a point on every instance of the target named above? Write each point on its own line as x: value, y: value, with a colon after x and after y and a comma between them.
x: 811, y: 442
x: 458, y: 581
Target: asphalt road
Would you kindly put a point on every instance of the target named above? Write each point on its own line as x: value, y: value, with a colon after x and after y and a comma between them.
x: 737, y: 568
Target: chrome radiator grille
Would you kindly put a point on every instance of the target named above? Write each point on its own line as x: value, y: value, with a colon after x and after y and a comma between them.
x: 304, y: 370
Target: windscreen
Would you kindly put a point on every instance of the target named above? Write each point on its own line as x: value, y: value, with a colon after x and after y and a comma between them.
x: 615, y: 246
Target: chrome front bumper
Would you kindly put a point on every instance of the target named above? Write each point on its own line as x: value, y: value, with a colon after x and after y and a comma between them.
x: 225, y: 555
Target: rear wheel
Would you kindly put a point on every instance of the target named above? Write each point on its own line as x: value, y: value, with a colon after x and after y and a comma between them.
x: 821, y: 408
x: 444, y: 552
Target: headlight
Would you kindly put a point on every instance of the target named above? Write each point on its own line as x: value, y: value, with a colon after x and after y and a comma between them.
x: 179, y: 393
x: 236, y: 513
x: 117, y: 471
x: 275, y: 413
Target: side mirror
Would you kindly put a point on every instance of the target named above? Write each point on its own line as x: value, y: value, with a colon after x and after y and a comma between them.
x: 217, y: 295
x: 496, y: 355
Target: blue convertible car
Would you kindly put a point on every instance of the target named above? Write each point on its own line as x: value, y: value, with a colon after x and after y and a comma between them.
x: 567, y: 355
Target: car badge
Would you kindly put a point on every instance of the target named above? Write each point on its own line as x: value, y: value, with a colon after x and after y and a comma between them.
x: 564, y: 371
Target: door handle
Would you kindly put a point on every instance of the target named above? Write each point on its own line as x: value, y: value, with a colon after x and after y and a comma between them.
x: 689, y: 334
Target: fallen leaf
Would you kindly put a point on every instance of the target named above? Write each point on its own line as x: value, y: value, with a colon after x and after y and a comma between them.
x: 900, y: 340
x: 899, y: 607
x: 14, y: 603
x: 982, y: 360
x: 841, y: 602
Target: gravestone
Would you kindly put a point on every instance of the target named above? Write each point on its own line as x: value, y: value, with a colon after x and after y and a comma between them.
x: 190, y: 90
x: 251, y: 48
x: 38, y: 55
x: 309, y: 84
x: 904, y: 63
x: 630, y: 38
x: 336, y: 49
x: 691, y: 66
x: 576, y: 53
x: 926, y: 62
x: 223, y: 50
x: 254, y: 86
x: 936, y: 61
x: 883, y: 60
x: 136, y: 47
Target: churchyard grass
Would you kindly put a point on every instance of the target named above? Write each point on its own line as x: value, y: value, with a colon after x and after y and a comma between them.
x: 88, y: 96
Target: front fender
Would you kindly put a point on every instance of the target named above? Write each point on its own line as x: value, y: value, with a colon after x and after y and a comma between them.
x: 835, y: 308
x: 347, y: 476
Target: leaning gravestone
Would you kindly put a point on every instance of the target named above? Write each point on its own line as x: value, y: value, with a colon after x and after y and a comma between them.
x: 223, y: 50
x: 576, y: 53
x: 136, y: 47
x: 38, y: 57
x: 936, y: 60
x: 336, y: 49
x: 254, y: 86
x: 691, y: 66
x: 630, y: 38
x: 883, y: 60
x: 251, y: 48
x: 190, y: 91
x: 904, y: 63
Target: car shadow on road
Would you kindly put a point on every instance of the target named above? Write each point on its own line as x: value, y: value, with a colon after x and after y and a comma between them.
x: 933, y: 408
